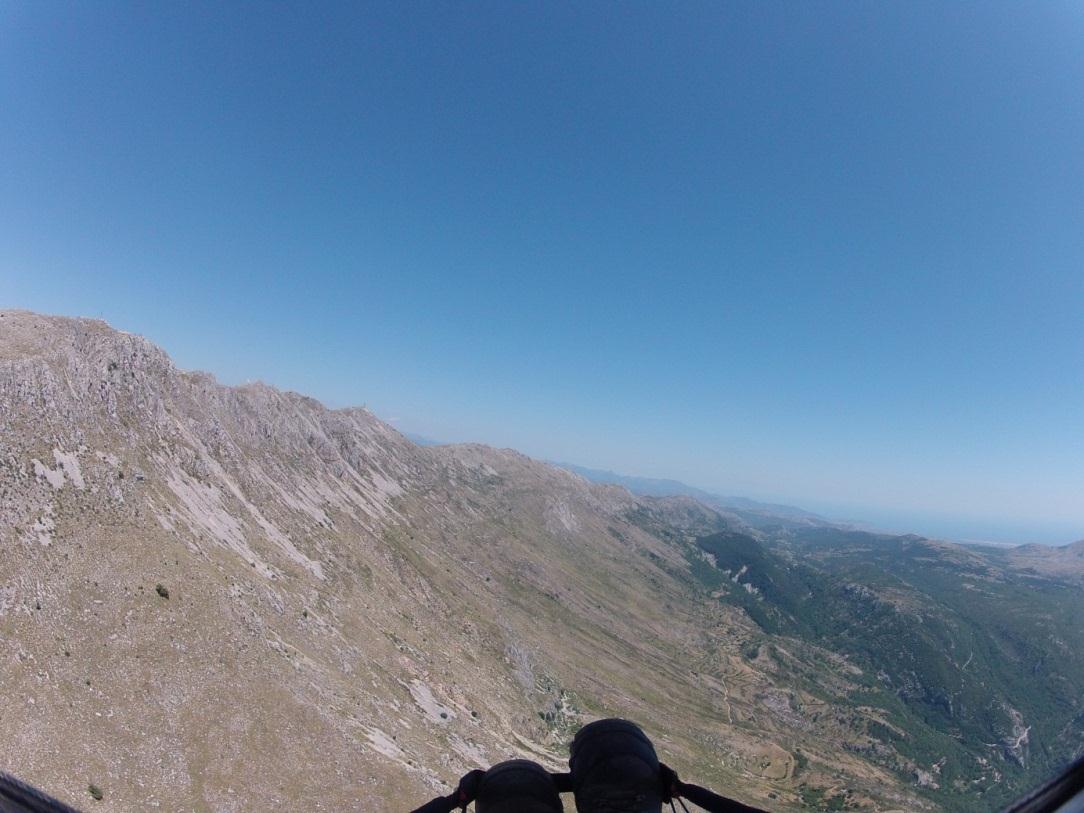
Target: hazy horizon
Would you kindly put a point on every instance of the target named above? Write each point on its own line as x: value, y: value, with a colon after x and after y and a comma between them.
x: 970, y: 530
x: 826, y: 255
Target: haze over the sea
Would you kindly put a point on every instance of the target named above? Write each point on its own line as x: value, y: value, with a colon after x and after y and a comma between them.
x: 824, y: 254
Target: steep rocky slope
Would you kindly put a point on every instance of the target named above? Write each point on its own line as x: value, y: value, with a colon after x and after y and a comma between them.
x: 231, y: 598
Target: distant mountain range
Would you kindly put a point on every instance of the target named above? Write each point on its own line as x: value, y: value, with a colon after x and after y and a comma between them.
x: 752, y: 512
x: 749, y: 510
x: 744, y: 507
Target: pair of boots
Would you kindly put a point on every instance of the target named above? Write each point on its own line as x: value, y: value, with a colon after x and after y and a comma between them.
x: 613, y: 768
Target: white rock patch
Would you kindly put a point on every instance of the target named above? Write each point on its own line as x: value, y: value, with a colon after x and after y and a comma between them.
x: 471, y: 752
x: 382, y: 743
x: 559, y: 516
x: 69, y: 462
x: 423, y: 697
x: 203, y: 510
x: 55, y: 478
x: 44, y: 526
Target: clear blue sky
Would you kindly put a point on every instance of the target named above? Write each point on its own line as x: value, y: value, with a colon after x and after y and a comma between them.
x: 831, y: 253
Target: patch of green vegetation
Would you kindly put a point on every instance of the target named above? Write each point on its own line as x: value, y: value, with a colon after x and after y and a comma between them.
x: 943, y: 664
x: 801, y: 762
x: 705, y: 574
x: 811, y: 797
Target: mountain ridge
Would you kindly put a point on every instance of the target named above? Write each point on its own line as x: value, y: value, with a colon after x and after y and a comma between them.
x: 321, y: 578
x: 350, y: 619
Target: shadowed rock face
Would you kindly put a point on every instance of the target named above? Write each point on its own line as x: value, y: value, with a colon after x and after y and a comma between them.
x: 349, y: 619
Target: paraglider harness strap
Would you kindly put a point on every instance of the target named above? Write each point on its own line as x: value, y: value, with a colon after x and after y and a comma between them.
x: 18, y: 797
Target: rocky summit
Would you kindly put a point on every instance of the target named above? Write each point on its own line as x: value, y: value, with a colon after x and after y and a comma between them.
x: 220, y: 598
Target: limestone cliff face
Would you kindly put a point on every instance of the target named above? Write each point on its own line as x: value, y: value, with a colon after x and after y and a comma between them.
x: 232, y: 598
